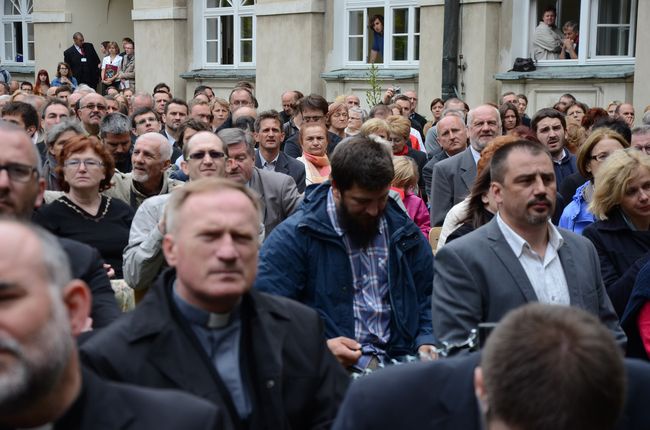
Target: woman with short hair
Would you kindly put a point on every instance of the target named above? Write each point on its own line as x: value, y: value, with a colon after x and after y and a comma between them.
x: 313, y: 140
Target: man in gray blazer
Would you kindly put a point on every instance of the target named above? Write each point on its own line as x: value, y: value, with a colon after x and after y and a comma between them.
x: 519, y: 256
x: 269, y: 136
x: 279, y: 196
x: 452, y: 178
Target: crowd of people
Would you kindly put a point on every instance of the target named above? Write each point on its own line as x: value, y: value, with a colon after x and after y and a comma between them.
x: 274, y: 254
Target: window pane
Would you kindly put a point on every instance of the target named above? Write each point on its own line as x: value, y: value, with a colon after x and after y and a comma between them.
x: 416, y: 54
x: 417, y: 19
x: 400, y: 48
x: 227, y: 40
x: 356, y: 23
x: 614, y: 11
x: 248, y: 3
x: 10, y: 8
x: 400, y: 21
x: 211, y: 28
x: 18, y: 32
x: 247, y: 27
x: 212, y: 52
x: 217, y: 3
x: 30, y: 6
x: 30, y: 41
x: 247, y: 51
x: 355, y: 49
x: 612, y: 41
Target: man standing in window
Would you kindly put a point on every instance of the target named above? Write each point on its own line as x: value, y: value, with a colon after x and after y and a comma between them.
x: 377, y: 27
x: 547, y: 41
x: 83, y: 60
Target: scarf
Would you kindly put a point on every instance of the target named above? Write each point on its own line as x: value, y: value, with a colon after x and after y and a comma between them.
x: 318, y: 166
x: 404, y: 151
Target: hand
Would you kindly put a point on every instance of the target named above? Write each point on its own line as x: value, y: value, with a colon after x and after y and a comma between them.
x: 427, y: 353
x: 388, y: 95
x: 347, y: 351
x: 568, y: 44
x: 110, y: 272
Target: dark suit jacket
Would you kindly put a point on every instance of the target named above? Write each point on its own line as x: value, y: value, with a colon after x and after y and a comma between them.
x: 104, y: 405
x: 86, y: 264
x: 288, y: 166
x: 477, y: 278
x: 440, y: 396
x: 84, y: 68
x: 450, y: 183
x: 296, y: 381
x: 427, y: 170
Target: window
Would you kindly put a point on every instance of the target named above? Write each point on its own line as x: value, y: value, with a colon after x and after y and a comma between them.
x: 18, y: 31
x: 399, y: 44
x: 606, y: 29
x: 228, y: 29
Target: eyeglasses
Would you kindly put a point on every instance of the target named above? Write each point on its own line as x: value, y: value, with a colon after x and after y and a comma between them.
x: 93, y: 106
x: 602, y: 156
x: 88, y: 162
x: 18, y: 172
x: 200, y: 155
x: 314, y: 118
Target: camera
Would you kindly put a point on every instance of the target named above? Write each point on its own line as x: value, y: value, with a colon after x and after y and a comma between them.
x: 397, y: 90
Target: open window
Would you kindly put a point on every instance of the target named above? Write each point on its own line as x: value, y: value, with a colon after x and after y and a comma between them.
x: 18, y: 32
x: 227, y: 32
x: 606, y: 29
x: 396, y: 41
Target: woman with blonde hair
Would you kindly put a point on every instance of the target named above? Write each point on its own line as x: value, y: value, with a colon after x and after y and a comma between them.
x: 220, y: 109
x: 404, y: 182
x: 337, y: 118
x: 621, y: 203
x: 313, y: 140
x: 591, y: 155
x: 399, y: 131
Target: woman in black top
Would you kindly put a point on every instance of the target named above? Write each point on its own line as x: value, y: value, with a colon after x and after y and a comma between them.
x: 85, y: 169
x: 621, y: 203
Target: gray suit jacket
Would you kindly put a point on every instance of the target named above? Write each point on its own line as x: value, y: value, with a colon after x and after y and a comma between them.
x: 450, y: 184
x: 288, y: 166
x: 278, y: 195
x: 477, y: 278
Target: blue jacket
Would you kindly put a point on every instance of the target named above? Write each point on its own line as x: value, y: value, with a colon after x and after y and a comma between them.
x: 576, y: 215
x: 306, y: 260
x: 566, y: 167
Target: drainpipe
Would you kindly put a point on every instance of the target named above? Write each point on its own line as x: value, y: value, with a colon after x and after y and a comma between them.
x: 450, y: 49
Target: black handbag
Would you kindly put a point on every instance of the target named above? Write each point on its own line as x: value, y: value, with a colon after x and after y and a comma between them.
x: 523, y: 65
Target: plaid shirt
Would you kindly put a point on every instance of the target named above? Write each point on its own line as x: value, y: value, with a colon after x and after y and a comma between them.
x: 371, y: 304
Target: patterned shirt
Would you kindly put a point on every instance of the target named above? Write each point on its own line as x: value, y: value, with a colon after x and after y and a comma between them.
x: 371, y: 303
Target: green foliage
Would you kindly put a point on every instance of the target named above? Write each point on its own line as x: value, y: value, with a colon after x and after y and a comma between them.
x: 373, y: 94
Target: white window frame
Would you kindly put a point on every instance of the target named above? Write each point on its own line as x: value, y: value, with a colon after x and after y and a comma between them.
x: 588, y: 32
x: 388, y: 6
x: 201, y: 15
x: 25, y: 18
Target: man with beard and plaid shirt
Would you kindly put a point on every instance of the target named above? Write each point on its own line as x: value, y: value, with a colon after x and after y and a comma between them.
x: 352, y: 254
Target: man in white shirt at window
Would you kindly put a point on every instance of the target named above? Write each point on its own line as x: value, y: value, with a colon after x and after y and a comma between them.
x: 519, y: 256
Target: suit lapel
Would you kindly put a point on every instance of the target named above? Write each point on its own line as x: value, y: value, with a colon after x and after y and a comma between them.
x: 258, y: 159
x: 509, y: 260
x: 282, y: 166
x: 570, y: 274
x: 468, y: 169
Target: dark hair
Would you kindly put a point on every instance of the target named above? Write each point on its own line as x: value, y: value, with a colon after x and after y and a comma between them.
x: 564, y: 359
x: 141, y: 111
x: 434, y: 101
x: 78, y: 144
x: 51, y: 102
x: 549, y: 9
x: 128, y: 40
x: 192, y: 124
x: 246, y: 123
x: 29, y: 84
x: 176, y: 101
x: 160, y: 86
x: 363, y: 162
x: 313, y: 102
x: 503, y: 110
x: 374, y: 18
x: 200, y: 89
x: 26, y: 112
x: 267, y: 114
x: 523, y: 96
x: 569, y: 96
x: 547, y: 113
x: 616, y: 124
x: 37, y: 87
x: 62, y: 89
x: 592, y: 115
x: 58, y: 70
x: 499, y: 166
x: 582, y: 106
x: 379, y: 108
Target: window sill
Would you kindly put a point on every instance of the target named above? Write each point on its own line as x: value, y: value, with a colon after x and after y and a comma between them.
x: 234, y: 74
x: 19, y: 68
x: 570, y: 73
x: 362, y: 74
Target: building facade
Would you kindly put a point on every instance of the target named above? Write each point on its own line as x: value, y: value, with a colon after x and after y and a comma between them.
x: 324, y: 46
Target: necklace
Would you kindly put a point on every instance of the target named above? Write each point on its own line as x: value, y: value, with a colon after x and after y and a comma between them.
x: 69, y: 203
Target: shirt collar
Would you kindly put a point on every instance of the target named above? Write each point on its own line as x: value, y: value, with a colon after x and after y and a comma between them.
x: 201, y: 317
x: 270, y: 163
x: 518, y: 243
x: 475, y: 154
